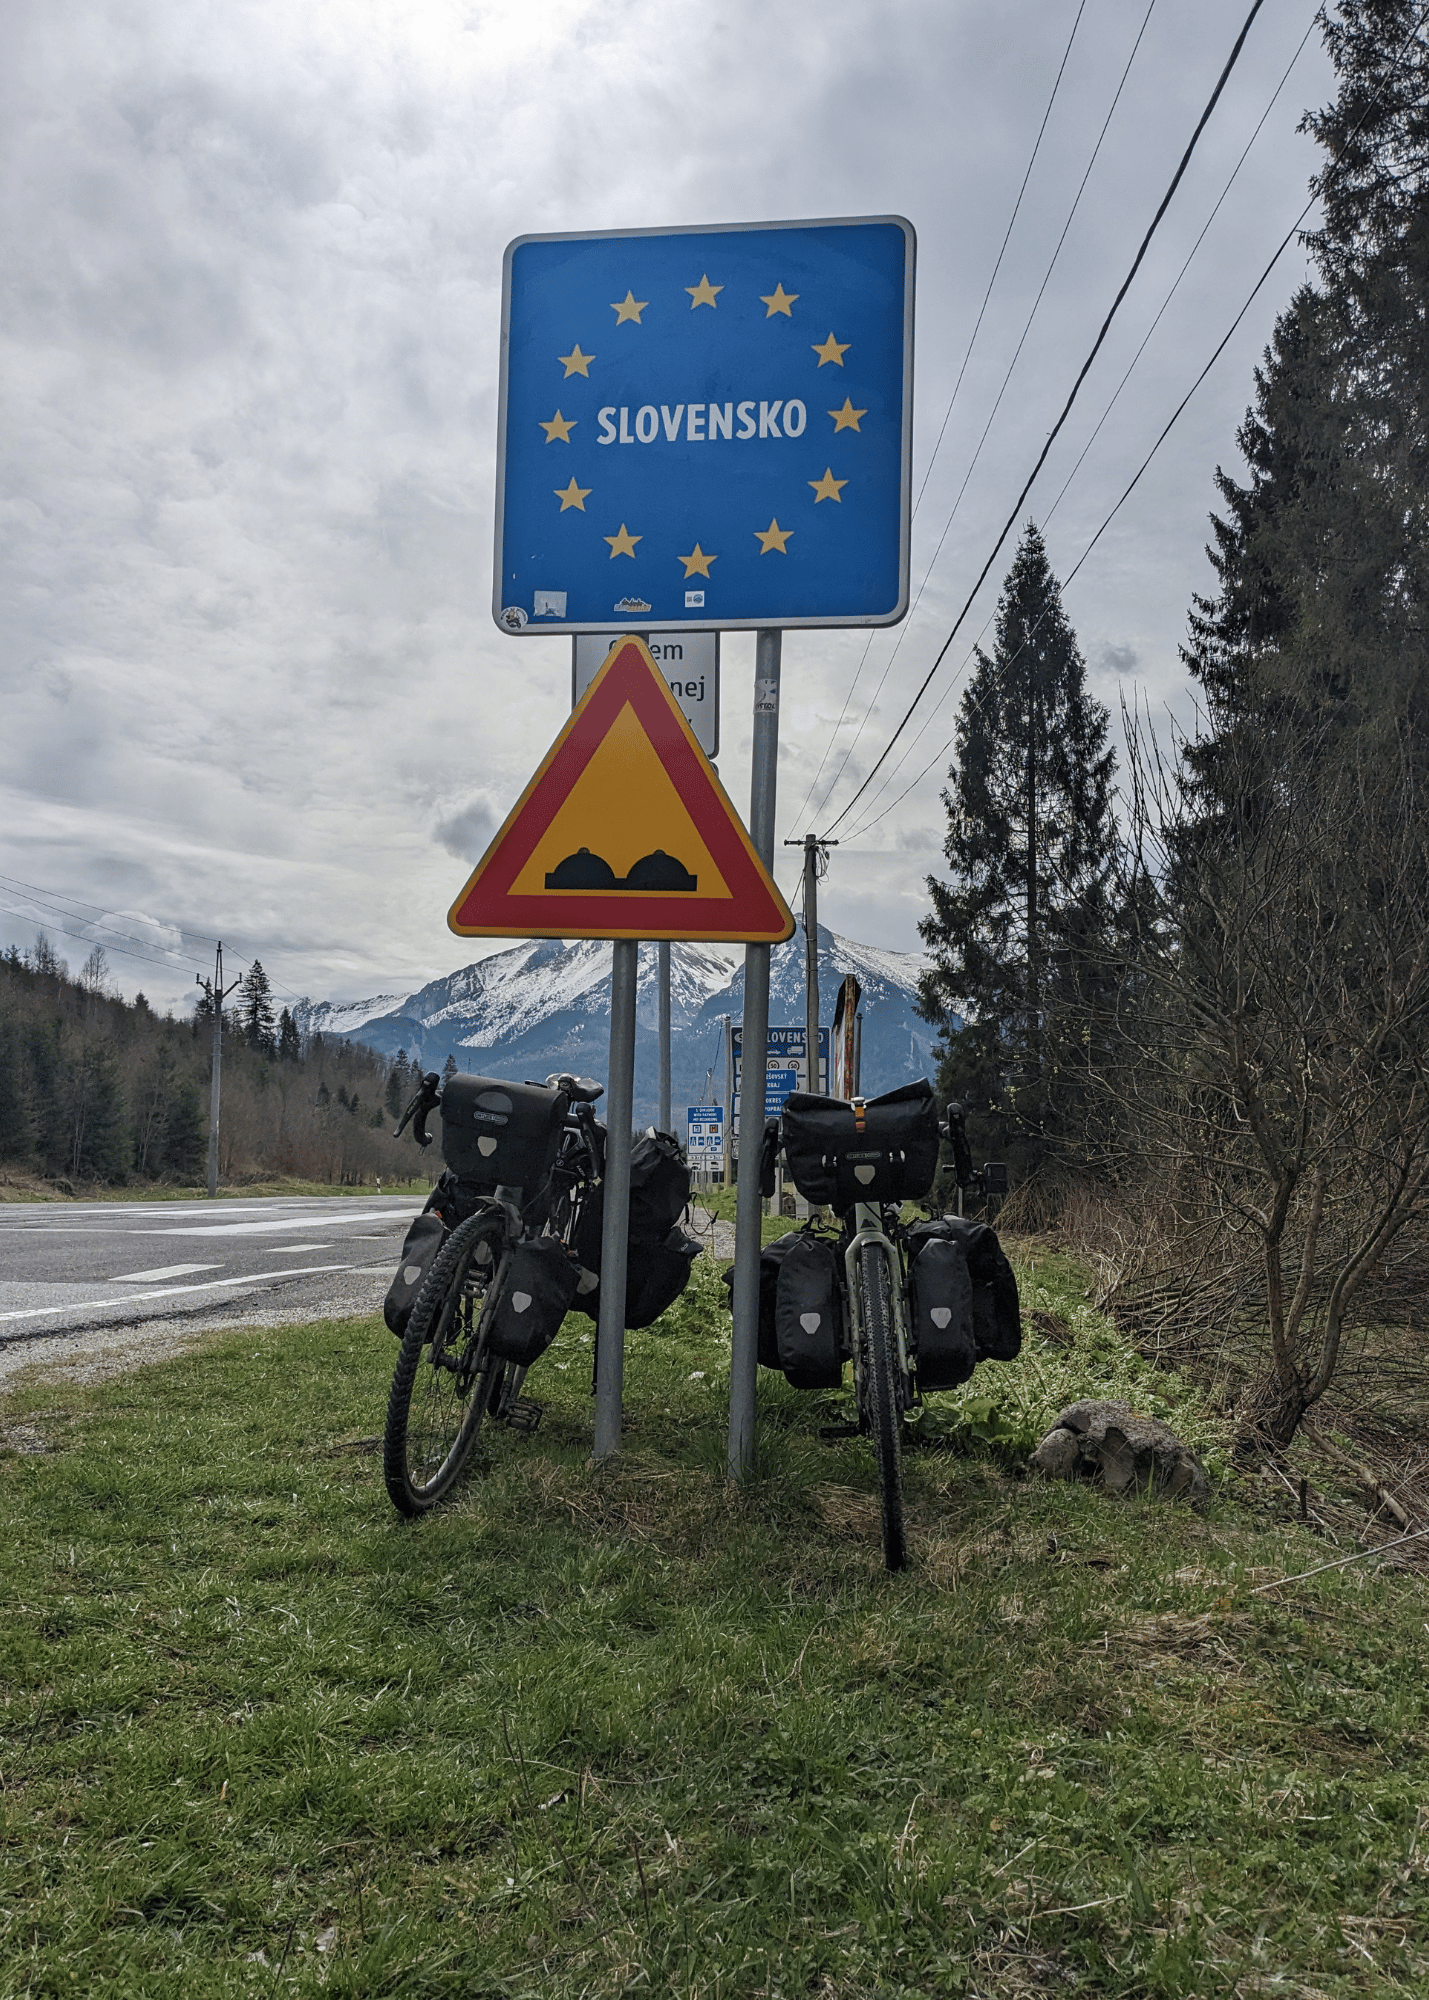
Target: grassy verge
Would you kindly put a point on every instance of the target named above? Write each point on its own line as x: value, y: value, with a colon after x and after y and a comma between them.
x: 590, y: 1731
x: 34, y: 1190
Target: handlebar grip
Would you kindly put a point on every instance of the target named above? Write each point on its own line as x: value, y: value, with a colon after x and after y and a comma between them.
x: 427, y: 1098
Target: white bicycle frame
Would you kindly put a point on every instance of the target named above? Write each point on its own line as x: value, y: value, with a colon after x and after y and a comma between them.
x: 868, y: 1229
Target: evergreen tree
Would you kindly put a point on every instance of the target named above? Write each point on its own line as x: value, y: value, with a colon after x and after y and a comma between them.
x: 290, y: 1042
x: 398, y: 1088
x: 449, y: 1067
x: 1017, y: 936
x: 255, y: 1011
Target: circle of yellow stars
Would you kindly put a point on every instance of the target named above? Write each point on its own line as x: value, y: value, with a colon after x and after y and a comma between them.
x: 772, y: 540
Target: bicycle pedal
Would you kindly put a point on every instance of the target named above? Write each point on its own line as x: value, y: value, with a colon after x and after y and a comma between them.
x: 523, y: 1414
x: 831, y: 1431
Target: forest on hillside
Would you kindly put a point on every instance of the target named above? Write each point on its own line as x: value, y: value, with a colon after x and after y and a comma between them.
x: 97, y: 1090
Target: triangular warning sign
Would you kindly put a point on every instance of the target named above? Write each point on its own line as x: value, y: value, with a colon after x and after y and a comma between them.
x: 624, y: 832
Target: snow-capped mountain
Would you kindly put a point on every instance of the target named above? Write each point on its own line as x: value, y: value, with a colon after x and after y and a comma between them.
x: 544, y: 1005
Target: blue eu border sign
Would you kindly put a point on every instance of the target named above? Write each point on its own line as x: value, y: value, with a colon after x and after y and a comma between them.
x: 706, y: 427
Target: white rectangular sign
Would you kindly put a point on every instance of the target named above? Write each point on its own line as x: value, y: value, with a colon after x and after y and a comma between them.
x: 704, y: 1124
x: 688, y: 660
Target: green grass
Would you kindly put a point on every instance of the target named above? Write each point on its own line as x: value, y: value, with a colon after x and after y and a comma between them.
x: 591, y: 1731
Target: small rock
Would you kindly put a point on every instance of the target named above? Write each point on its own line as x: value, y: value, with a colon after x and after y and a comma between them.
x: 1125, y: 1452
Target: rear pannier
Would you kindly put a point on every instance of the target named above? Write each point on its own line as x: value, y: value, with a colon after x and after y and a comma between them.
x: 534, y: 1294
x: 808, y: 1317
x: 940, y: 1305
x: 419, y: 1250
x: 868, y: 1149
x: 658, y: 1253
x: 501, y: 1134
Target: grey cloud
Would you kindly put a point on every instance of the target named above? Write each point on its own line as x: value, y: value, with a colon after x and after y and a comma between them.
x: 467, y: 832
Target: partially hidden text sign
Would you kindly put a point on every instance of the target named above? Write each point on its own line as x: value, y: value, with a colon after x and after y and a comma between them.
x: 624, y: 832
x: 706, y: 427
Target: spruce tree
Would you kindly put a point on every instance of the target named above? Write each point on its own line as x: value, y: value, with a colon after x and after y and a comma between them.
x: 255, y: 1011
x: 1017, y: 936
x: 290, y: 1043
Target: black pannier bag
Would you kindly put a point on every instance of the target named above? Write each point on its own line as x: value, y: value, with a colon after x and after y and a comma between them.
x: 658, y: 1253
x: 940, y: 1307
x: 419, y: 1250
x: 804, y: 1293
x: 808, y: 1316
x: 997, y: 1311
x: 534, y: 1293
x: 655, y: 1278
x: 501, y: 1134
x: 871, y: 1149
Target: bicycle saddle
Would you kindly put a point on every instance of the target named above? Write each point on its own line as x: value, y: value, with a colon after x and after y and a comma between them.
x: 580, y: 1089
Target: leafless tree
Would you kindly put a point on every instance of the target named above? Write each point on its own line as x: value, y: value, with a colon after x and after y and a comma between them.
x: 1272, y: 1026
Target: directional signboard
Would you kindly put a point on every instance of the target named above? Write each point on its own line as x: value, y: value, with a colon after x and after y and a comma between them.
x: 704, y: 1126
x: 706, y: 427
x: 786, y: 1067
x: 624, y: 832
x: 688, y: 660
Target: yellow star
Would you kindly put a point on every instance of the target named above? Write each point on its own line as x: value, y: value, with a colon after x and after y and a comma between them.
x: 832, y: 350
x: 558, y: 429
x: 702, y: 294
x: 778, y: 301
x: 622, y: 544
x: 774, y: 537
x: 573, y: 496
x: 847, y: 418
x: 827, y: 488
x: 698, y: 563
x: 628, y: 308
x: 576, y: 363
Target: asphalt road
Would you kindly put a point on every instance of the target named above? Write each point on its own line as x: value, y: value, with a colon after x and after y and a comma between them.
x: 72, y: 1269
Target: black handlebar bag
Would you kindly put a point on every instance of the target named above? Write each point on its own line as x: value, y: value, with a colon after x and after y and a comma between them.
x: 501, y: 1134
x: 840, y: 1151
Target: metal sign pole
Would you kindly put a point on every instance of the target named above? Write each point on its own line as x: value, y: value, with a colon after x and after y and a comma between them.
x: 662, y: 951
x: 610, y: 1327
x: 744, y: 1349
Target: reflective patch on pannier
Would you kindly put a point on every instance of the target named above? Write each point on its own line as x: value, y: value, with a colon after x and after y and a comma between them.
x: 501, y: 1134
x: 534, y: 1294
x: 875, y: 1149
x: 419, y: 1249
x: 940, y: 1301
x: 808, y: 1317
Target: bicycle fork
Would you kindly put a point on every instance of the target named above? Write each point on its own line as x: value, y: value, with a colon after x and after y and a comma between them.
x: 869, y: 1230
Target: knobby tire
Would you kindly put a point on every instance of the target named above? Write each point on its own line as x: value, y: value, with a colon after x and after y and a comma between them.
x: 884, y: 1404
x: 444, y: 1382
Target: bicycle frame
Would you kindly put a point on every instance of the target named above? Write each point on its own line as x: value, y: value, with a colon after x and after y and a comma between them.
x: 868, y: 1228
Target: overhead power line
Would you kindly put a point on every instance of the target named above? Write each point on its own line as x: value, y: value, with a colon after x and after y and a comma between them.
x: 1053, y: 434
x: 967, y: 356
x: 977, y: 452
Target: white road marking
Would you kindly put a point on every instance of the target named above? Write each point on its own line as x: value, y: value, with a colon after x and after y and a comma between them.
x: 173, y: 1291
x: 282, y: 1250
x: 169, y: 1271
x: 269, y: 1228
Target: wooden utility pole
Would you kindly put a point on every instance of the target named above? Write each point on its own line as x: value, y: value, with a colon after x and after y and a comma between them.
x: 217, y: 994
x: 815, y: 864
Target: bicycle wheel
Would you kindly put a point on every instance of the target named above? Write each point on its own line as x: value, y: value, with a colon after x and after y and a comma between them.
x: 444, y: 1380
x: 883, y: 1401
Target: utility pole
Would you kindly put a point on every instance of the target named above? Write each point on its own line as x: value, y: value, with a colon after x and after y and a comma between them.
x: 816, y: 864
x: 217, y: 993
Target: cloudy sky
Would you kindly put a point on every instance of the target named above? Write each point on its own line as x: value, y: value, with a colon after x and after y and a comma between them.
x: 249, y: 306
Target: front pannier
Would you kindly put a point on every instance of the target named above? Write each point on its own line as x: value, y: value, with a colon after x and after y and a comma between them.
x: 874, y: 1149
x: 534, y: 1294
x: 997, y: 1311
x: 940, y: 1304
x: 419, y: 1249
x: 501, y: 1134
x: 808, y: 1317
x: 655, y: 1278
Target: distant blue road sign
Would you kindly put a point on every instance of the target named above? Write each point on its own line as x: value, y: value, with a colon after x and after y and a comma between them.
x: 706, y: 427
